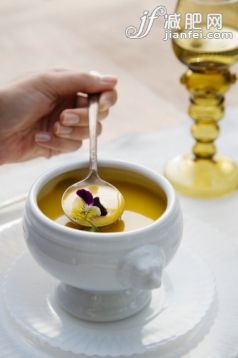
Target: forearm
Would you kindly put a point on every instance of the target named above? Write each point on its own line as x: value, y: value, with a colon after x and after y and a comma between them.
x: 3, y: 106
x: 9, y: 116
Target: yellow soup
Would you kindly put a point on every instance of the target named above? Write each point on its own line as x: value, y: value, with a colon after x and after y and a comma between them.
x: 142, y: 205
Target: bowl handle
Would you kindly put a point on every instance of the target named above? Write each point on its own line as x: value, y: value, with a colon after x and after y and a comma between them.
x: 142, y: 268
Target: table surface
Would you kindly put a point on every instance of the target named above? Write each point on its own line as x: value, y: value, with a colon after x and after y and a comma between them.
x: 90, y: 35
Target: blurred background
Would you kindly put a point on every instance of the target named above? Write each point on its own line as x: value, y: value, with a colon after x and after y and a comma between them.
x: 90, y: 35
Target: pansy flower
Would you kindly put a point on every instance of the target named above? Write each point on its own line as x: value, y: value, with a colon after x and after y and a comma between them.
x: 86, y: 207
x: 91, y: 203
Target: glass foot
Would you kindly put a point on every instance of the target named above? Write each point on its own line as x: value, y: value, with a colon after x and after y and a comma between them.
x: 202, y: 177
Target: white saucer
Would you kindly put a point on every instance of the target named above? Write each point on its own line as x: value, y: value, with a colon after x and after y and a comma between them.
x: 177, y: 312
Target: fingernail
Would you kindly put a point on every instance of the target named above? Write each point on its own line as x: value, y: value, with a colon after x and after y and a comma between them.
x: 43, y: 137
x: 71, y: 119
x: 108, y: 79
x: 64, y: 130
x: 105, y: 105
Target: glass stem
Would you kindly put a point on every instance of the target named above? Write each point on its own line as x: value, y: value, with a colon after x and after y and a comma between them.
x: 207, y: 107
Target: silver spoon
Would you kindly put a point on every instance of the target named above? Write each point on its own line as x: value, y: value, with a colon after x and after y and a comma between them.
x: 93, y: 202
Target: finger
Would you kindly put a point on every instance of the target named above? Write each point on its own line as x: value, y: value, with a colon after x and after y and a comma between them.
x: 106, y: 100
x: 51, y: 152
x: 39, y: 151
x: 48, y: 153
x: 62, y: 145
x: 82, y: 100
x: 78, y: 117
x: 64, y: 83
x: 74, y: 133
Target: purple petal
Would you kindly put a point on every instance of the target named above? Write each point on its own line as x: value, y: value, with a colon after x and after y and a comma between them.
x: 96, y: 202
x: 85, y: 195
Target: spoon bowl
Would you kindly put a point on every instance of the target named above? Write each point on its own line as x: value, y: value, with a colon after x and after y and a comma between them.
x: 111, y: 202
x: 93, y: 202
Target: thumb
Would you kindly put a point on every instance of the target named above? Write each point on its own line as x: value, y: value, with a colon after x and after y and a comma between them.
x: 64, y: 83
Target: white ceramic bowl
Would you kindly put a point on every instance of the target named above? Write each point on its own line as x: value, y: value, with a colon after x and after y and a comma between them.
x: 104, y: 276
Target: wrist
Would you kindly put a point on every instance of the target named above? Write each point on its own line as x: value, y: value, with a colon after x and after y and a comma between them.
x: 3, y: 159
x: 3, y: 107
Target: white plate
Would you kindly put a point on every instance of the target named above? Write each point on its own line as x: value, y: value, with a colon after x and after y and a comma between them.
x: 188, y: 293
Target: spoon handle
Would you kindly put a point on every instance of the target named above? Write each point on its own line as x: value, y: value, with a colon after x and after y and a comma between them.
x: 93, y: 118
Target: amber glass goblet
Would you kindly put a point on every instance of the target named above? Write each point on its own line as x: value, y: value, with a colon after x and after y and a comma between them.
x: 203, y: 173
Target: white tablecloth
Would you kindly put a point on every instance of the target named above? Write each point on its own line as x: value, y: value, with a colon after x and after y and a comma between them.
x: 218, y: 243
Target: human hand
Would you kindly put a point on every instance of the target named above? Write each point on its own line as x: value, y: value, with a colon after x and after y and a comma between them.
x: 43, y: 115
